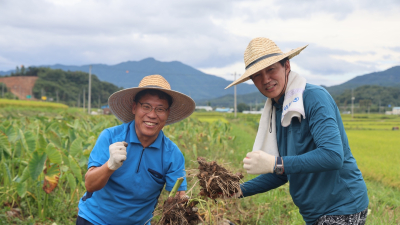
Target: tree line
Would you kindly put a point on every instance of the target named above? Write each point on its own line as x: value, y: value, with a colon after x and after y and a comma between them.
x: 369, y: 98
x: 68, y: 87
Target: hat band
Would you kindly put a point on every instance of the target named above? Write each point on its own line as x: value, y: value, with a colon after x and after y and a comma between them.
x: 153, y: 86
x: 261, y: 58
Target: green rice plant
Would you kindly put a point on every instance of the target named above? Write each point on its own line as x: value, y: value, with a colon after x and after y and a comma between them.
x: 377, y: 154
x: 30, y: 104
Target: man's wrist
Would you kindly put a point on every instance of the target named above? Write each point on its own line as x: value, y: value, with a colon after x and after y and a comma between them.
x: 279, y: 168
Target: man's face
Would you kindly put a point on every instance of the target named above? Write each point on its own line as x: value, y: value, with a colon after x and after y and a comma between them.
x: 271, y: 80
x: 148, y: 125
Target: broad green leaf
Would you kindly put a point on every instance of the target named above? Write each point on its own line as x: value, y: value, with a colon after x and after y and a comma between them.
x: 18, y: 150
x: 36, y: 164
x: 30, y: 139
x: 5, y: 146
x: 54, y: 138
x: 6, y: 123
x: 73, y: 165
x: 72, y: 134
x: 53, y: 153
x: 25, y: 175
x: 41, y: 144
x: 76, y: 147
x: 21, y: 189
x: 7, y: 171
x: 11, y: 134
x: 71, y: 181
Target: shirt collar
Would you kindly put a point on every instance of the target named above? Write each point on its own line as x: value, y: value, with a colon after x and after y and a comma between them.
x: 279, y: 103
x: 134, y: 138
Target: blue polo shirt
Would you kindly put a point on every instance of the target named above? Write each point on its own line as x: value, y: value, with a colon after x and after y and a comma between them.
x: 131, y: 193
x: 323, y: 175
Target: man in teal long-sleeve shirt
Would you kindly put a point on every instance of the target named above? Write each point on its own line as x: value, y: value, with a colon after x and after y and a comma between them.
x: 312, y: 153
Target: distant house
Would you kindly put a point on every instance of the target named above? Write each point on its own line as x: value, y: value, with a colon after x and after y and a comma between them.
x: 206, y: 108
x: 227, y: 110
x: 396, y: 111
x: 253, y: 112
x: 106, y: 110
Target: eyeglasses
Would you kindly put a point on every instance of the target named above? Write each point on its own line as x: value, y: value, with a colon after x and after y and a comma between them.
x: 147, y: 108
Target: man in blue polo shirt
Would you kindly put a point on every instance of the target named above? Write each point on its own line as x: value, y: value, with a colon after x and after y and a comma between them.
x: 130, y: 163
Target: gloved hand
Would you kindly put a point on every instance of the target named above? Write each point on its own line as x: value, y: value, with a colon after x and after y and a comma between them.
x: 259, y: 162
x: 117, y: 155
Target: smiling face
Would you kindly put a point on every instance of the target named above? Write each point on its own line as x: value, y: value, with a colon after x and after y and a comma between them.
x: 148, y: 125
x: 271, y: 80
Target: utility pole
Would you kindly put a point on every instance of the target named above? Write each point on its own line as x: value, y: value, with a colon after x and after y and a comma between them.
x: 99, y: 102
x: 2, y: 90
x: 234, y: 101
x: 79, y: 100
x: 352, y: 104
x: 57, y: 95
x: 90, y: 88
x: 83, y: 100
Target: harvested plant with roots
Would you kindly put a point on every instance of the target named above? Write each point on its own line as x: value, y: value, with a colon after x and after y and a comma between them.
x: 179, y: 211
x: 216, y: 181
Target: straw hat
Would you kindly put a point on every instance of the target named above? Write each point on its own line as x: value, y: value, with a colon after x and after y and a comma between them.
x: 261, y: 53
x: 121, y: 102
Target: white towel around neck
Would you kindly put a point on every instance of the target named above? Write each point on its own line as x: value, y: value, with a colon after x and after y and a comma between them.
x: 292, y: 107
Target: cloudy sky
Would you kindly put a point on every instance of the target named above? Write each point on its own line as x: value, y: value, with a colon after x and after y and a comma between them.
x: 346, y: 38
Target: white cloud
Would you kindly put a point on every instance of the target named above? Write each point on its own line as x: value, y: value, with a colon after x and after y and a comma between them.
x: 346, y: 38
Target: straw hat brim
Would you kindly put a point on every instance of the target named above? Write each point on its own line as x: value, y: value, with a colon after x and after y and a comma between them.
x: 262, y: 64
x: 121, y: 103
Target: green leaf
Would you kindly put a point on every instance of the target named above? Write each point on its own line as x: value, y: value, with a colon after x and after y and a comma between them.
x: 25, y: 175
x: 71, y: 181
x: 7, y: 170
x: 12, y: 134
x: 30, y: 139
x: 4, y: 144
x: 73, y: 165
x: 76, y: 147
x: 53, y: 153
x: 41, y: 144
x: 21, y: 189
x: 54, y: 138
x: 36, y: 164
x: 72, y: 134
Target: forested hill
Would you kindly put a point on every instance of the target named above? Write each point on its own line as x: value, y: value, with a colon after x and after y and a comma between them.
x: 68, y: 85
x: 182, y: 78
x: 371, y: 95
x: 387, y: 78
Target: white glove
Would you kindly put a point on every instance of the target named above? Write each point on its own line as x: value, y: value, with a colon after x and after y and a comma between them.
x: 117, y: 155
x: 259, y: 162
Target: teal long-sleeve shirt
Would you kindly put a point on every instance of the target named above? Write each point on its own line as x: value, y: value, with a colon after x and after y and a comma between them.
x: 323, y: 175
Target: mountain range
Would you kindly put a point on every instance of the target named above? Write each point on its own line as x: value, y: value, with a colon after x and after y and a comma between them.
x: 206, y: 88
x: 182, y: 78
x: 386, y: 78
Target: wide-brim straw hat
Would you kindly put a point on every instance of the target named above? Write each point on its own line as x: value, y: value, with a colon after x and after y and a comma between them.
x: 121, y: 102
x: 261, y: 53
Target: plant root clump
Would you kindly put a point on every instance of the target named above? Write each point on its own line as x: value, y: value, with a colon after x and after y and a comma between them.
x: 216, y: 181
x: 177, y: 211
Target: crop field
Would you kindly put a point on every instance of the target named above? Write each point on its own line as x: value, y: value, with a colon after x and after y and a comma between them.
x: 31, y: 104
x: 44, y: 158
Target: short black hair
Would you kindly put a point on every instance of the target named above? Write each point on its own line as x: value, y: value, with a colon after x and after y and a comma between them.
x: 283, y: 61
x: 154, y: 92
